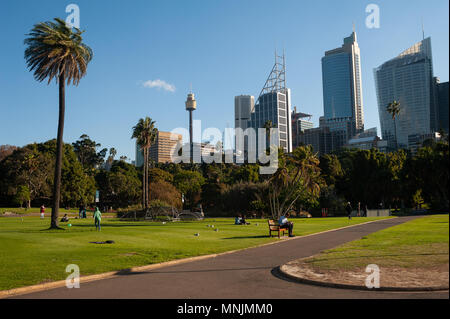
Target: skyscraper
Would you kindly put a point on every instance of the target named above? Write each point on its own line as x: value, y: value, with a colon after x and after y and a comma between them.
x: 443, y: 106
x: 243, y: 108
x: 408, y: 79
x: 274, y: 105
x: 342, y: 89
x: 300, y: 123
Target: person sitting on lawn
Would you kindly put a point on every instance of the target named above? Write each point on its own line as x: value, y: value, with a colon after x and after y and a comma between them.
x: 237, y: 220
x: 65, y: 219
x: 243, y: 221
x: 284, y: 223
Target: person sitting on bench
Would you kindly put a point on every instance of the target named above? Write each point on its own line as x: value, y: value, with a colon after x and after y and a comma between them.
x: 284, y: 223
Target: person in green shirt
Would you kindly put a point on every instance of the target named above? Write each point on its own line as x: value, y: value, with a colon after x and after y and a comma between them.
x: 97, y: 219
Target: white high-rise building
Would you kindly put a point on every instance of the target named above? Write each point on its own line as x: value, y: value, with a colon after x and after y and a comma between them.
x: 273, y: 106
x: 408, y: 79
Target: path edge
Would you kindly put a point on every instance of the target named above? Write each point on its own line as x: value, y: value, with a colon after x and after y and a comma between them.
x: 283, y: 273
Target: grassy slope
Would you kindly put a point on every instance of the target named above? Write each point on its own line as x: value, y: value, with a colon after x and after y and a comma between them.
x: 420, y: 243
x: 30, y: 254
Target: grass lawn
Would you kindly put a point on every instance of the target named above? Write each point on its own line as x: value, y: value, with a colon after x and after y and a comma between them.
x: 421, y: 243
x: 32, y: 254
x: 48, y: 210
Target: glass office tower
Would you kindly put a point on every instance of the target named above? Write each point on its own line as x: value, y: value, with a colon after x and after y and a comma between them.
x: 342, y: 88
x: 408, y: 79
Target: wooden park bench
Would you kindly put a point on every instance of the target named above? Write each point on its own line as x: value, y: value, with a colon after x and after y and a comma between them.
x: 275, y: 227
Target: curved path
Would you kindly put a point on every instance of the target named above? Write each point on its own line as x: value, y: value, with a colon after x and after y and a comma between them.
x: 244, y: 274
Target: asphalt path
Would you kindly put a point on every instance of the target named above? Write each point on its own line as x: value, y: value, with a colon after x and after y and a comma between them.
x: 246, y: 274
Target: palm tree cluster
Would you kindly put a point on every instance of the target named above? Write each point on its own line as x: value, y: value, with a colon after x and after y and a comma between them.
x: 297, y: 173
x: 56, y: 51
x: 145, y: 133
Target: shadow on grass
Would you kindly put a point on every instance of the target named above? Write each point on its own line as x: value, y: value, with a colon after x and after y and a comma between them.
x: 248, y: 237
x: 118, y: 225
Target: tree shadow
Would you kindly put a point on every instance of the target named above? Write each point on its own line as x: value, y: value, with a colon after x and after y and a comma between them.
x: 117, y: 225
x: 129, y: 272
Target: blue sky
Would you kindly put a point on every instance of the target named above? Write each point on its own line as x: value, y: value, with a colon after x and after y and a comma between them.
x: 224, y: 48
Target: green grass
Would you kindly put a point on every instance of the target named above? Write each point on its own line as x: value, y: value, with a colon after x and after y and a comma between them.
x: 36, y: 210
x: 421, y: 243
x: 48, y: 210
x: 32, y: 254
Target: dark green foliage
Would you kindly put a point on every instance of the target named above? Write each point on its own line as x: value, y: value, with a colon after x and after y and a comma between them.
x: 120, y: 186
x: 86, y: 150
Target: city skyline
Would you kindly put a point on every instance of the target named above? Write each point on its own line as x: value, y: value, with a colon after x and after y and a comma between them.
x: 133, y: 90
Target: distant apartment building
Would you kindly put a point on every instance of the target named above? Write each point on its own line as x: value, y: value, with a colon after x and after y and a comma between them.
x: 367, y: 140
x: 417, y: 141
x: 342, y: 91
x: 161, y: 151
x: 408, y: 79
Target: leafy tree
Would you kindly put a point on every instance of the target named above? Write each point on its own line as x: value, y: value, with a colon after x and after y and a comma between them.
x: 164, y: 191
x: 78, y: 187
x: 6, y: 150
x: 429, y: 171
x: 30, y: 167
x: 330, y: 168
x: 237, y: 198
x: 86, y: 150
x: 247, y: 173
x: 22, y: 195
x: 56, y: 51
x: 120, y: 186
x: 157, y: 174
x: 190, y: 184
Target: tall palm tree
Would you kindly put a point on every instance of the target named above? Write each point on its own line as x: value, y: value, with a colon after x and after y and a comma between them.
x: 146, y: 133
x: 56, y: 51
x: 393, y: 108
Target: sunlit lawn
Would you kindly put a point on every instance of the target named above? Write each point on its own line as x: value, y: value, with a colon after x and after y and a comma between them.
x: 420, y: 243
x: 31, y: 254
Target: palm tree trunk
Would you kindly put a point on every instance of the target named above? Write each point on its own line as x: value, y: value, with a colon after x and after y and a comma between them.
x: 59, y: 154
x: 146, y: 178
x: 143, y: 181
x: 395, y: 130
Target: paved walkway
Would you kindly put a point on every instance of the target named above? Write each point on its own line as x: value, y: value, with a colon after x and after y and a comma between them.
x: 244, y: 274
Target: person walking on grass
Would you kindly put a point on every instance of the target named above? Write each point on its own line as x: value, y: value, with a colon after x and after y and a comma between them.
x: 349, y: 210
x: 97, y: 219
x: 42, y: 211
